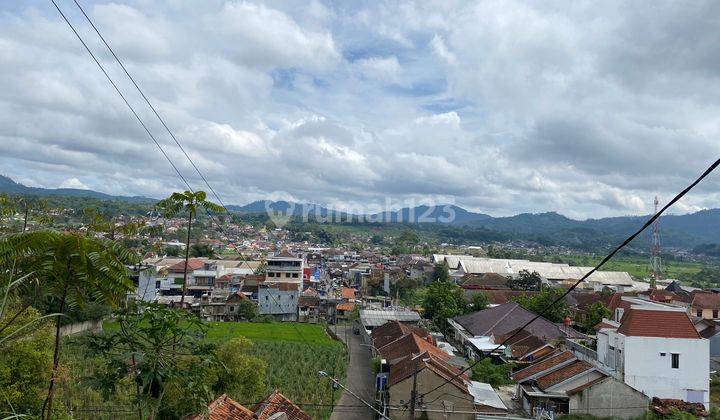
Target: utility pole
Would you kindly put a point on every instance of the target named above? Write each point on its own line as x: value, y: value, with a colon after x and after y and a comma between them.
x: 413, y: 394
x: 655, y: 262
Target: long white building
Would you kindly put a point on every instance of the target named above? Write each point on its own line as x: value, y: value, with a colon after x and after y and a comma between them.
x: 554, y: 272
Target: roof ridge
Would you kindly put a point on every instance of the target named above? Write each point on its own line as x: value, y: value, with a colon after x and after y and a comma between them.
x: 516, y: 305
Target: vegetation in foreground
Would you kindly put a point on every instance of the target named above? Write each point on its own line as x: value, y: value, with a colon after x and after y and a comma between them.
x: 287, y: 355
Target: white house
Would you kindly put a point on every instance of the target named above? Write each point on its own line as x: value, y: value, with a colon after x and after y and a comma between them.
x: 657, y: 351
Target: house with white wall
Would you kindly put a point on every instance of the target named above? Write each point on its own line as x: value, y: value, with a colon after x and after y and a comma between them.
x: 657, y: 350
x: 285, y: 268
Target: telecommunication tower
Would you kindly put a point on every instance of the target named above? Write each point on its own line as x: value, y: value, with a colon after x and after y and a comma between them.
x: 655, y: 262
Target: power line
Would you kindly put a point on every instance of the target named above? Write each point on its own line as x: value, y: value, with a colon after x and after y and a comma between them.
x: 121, y: 95
x: 607, y: 258
x: 114, y: 85
x: 112, y: 82
x: 149, y: 104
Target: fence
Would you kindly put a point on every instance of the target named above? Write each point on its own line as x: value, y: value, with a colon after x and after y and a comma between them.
x: 581, y: 352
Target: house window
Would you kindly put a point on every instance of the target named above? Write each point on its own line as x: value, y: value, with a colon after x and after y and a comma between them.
x: 271, y: 274
x: 715, y: 313
x: 294, y: 275
x: 698, y: 312
x: 675, y: 360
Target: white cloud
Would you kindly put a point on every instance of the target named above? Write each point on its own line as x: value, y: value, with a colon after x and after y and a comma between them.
x: 439, y: 47
x: 501, y: 106
x: 73, y: 183
x: 386, y: 69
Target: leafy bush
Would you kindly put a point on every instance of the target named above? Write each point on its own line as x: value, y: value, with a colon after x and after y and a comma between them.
x: 488, y: 372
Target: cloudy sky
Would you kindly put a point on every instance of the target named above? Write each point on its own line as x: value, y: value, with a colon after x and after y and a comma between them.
x: 585, y: 108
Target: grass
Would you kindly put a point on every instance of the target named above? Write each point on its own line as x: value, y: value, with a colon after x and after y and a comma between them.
x: 638, y: 267
x: 294, y: 353
x: 288, y: 332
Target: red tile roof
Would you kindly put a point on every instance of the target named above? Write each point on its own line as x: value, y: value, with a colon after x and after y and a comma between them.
x: 286, y: 254
x: 225, y: 408
x: 405, y: 369
x: 346, y: 306
x: 391, y: 331
x: 660, y: 295
x: 348, y: 293
x: 500, y: 297
x: 603, y: 324
x: 408, y: 345
x: 564, y: 373
x: 616, y: 301
x: 706, y: 301
x: 654, y: 323
x: 539, y: 354
x: 278, y: 403
x: 193, y: 264
x: 543, y: 365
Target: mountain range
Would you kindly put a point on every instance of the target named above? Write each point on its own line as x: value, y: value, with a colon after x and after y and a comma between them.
x: 7, y: 185
x: 682, y: 231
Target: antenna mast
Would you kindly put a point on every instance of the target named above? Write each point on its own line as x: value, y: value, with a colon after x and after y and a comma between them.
x: 655, y: 262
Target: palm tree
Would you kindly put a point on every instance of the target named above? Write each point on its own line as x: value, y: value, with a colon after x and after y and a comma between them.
x: 70, y: 268
x: 188, y: 202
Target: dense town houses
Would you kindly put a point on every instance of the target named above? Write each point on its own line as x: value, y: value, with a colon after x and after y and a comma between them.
x: 655, y: 343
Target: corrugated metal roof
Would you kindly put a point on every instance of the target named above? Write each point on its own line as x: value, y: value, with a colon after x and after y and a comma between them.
x: 553, y: 271
x: 376, y: 318
x: 484, y: 394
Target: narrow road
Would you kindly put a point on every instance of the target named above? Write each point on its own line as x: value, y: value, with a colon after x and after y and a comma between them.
x: 360, y: 380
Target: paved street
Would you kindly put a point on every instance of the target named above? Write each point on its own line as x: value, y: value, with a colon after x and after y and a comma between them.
x: 359, y: 379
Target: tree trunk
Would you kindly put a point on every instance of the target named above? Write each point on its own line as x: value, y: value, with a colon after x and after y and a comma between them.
x: 56, y: 357
x: 187, y: 258
x: 25, y: 219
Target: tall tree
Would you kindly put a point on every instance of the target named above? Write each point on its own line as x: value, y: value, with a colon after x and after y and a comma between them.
x: 594, y: 314
x: 70, y: 268
x: 10, y: 205
x: 478, y: 302
x: 441, y: 272
x: 188, y: 202
x: 539, y: 302
x: 525, y: 280
x: 443, y: 299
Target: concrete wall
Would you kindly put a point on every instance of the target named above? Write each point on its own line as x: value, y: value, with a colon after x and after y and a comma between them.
x: 706, y: 313
x: 574, y: 382
x: 427, y: 380
x: 282, y: 304
x: 80, y: 327
x: 714, y: 345
x: 609, y: 398
x: 648, y: 371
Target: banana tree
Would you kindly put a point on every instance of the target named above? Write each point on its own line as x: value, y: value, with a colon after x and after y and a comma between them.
x: 188, y: 202
x: 70, y: 268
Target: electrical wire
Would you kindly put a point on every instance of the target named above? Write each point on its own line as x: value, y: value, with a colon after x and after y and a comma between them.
x: 152, y: 107
x: 102, y: 69
x: 135, y: 114
x: 144, y: 126
x: 607, y: 258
